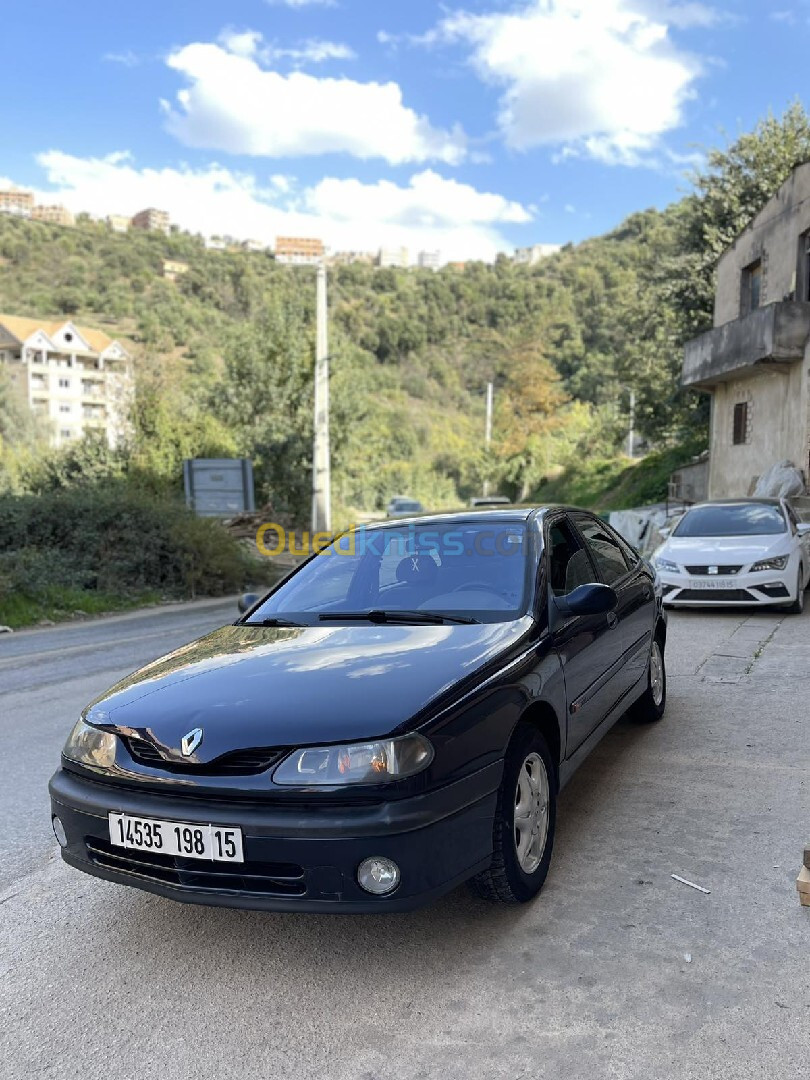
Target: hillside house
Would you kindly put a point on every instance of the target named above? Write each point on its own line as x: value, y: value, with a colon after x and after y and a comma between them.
x: 755, y: 363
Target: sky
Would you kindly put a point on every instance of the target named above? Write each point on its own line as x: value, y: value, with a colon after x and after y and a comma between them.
x: 469, y: 129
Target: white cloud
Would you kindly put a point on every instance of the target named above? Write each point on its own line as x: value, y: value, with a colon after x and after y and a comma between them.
x: 128, y: 58
x: 250, y: 44
x: 232, y: 103
x: 428, y: 212
x: 600, y: 77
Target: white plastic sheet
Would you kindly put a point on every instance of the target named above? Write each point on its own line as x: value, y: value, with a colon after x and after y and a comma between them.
x: 781, y: 481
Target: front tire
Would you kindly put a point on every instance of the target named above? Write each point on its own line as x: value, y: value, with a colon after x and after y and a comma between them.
x: 797, y: 607
x: 651, y: 705
x: 525, y: 820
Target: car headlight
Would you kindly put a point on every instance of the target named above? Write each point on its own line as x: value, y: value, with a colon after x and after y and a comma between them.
x: 356, y: 763
x: 777, y: 563
x: 90, y: 746
x: 665, y: 564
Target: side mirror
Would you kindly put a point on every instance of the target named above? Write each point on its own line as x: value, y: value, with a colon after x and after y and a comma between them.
x: 803, y: 528
x: 247, y: 600
x: 591, y: 599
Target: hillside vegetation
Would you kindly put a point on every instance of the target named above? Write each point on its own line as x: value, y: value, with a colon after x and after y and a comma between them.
x: 224, y: 356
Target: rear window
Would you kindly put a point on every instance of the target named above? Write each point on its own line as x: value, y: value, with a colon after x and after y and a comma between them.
x: 733, y: 519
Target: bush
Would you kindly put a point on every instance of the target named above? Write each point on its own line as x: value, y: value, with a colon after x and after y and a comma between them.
x: 114, y: 540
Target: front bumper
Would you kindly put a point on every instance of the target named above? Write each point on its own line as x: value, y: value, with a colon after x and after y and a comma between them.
x: 741, y: 590
x: 295, y: 859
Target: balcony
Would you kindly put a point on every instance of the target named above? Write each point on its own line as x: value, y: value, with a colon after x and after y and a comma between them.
x: 775, y: 334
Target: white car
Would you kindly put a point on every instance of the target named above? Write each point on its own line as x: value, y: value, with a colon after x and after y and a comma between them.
x: 736, y: 551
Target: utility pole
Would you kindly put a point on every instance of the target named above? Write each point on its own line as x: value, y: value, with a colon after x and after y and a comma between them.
x: 321, y: 473
x: 488, y: 430
x: 631, y: 435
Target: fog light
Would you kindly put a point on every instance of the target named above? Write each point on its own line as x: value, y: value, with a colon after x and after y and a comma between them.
x: 378, y: 875
x: 59, y: 831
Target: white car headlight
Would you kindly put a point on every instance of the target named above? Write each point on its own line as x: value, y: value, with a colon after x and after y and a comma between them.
x: 355, y: 763
x: 90, y: 746
x: 777, y: 563
x: 666, y: 565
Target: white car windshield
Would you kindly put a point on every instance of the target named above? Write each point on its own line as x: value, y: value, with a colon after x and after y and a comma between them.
x: 732, y: 519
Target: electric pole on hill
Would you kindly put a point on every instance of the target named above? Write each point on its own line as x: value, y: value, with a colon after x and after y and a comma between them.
x: 488, y: 431
x: 321, y: 472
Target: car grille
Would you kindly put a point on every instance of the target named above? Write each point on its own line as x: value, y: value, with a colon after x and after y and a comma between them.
x: 267, y: 879
x: 721, y: 571
x: 716, y: 596
x: 236, y: 763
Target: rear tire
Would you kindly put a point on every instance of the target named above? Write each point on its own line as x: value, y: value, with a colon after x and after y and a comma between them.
x: 525, y: 819
x: 652, y: 704
x: 797, y: 607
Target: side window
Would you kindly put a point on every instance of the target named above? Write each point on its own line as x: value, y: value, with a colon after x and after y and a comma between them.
x: 568, y: 562
x: 604, y: 548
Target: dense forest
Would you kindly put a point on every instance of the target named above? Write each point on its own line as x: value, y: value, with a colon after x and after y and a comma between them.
x: 224, y: 356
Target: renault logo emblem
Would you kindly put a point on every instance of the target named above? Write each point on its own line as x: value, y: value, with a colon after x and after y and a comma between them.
x: 190, y: 742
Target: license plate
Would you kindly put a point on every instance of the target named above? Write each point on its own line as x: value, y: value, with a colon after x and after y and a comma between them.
x: 217, y: 843
x: 712, y: 583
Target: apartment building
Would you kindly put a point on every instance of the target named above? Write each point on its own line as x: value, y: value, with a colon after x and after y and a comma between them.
x: 152, y: 220
x: 529, y: 256
x: 429, y: 260
x: 76, y: 378
x: 350, y: 258
x: 755, y: 363
x: 118, y: 223
x: 393, y: 257
x: 14, y: 201
x: 53, y: 215
x: 174, y: 268
x: 299, y: 250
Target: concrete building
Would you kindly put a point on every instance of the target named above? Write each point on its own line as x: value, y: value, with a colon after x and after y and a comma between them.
x: 393, y: 257
x: 299, y: 250
x: 174, y: 268
x: 528, y: 256
x: 118, y: 223
x: 253, y: 246
x: 152, y: 220
x: 349, y: 258
x: 14, y: 201
x: 755, y: 363
x: 429, y: 260
x: 76, y: 378
x: 53, y: 215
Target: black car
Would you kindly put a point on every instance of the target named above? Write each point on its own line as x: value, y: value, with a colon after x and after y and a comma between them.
x: 395, y: 717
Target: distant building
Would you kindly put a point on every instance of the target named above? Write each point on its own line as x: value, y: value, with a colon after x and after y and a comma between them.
x: 53, y: 215
x: 215, y: 243
x: 298, y: 250
x: 528, y: 256
x: 174, y: 268
x: 348, y: 258
x: 253, y: 245
x: 118, y: 223
x: 77, y: 378
x: 14, y: 201
x: 429, y: 260
x: 459, y: 266
x: 152, y: 221
x: 755, y: 363
x: 393, y: 257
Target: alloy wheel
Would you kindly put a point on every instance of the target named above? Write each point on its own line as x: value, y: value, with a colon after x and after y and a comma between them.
x: 531, y: 813
x: 656, y: 674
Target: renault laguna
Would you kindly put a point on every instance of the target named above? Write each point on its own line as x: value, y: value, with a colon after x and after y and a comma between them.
x: 395, y: 717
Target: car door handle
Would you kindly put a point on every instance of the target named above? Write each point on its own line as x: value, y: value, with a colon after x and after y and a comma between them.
x: 612, y: 619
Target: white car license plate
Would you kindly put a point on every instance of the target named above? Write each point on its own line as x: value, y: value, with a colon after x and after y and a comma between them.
x: 712, y: 583
x: 218, y: 843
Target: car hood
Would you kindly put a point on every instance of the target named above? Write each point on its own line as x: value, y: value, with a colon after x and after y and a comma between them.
x: 250, y: 686
x: 723, y: 550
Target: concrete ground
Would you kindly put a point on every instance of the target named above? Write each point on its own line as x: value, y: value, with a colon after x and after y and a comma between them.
x: 616, y: 971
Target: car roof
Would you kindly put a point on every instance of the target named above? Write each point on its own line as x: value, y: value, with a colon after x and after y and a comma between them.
x: 764, y: 500
x: 475, y: 514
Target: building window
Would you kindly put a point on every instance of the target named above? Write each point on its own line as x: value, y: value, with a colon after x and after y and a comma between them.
x: 66, y: 433
x: 740, y: 434
x: 803, y: 269
x: 64, y: 384
x: 64, y: 408
x: 752, y: 287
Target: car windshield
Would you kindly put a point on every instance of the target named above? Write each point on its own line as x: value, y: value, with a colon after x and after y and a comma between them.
x: 732, y: 519
x: 406, y: 504
x: 475, y: 570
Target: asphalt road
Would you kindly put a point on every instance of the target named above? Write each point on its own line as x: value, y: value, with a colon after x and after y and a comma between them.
x: 616, y: 971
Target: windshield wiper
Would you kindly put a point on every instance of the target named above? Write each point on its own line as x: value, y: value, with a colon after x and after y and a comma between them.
x: 379, y: 616
x: 272, y: 622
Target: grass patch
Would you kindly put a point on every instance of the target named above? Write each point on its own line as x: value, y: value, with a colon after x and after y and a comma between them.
x: 60, y: 603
